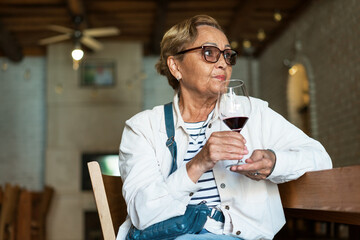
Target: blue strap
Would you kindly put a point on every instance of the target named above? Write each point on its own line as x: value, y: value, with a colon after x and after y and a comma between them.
x: 218, y: 216
x: 170, y: 143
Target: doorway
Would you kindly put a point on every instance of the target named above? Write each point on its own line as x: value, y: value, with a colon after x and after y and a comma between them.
x: 298, y: 98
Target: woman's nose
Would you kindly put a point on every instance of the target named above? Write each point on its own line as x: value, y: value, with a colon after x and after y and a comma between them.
x: 221, y: 63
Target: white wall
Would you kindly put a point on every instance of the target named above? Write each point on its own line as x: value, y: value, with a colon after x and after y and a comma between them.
x: 156, y: 89
x: 84, y: 119
x: 22, y: 121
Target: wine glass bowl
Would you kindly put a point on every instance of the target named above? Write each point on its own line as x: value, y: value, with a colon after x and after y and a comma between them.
x: 234, y: 105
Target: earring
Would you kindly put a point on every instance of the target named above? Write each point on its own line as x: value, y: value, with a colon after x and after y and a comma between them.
x: 178, y: 78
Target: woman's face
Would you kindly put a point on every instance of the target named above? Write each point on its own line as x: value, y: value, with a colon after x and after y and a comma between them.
x: 199, y: 76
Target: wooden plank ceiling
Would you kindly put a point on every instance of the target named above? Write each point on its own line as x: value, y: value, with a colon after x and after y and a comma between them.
x: 24, y: 22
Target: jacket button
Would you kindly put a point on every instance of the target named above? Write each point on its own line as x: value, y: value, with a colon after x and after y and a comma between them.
x: 222, y: 185
x: 238, y: 232
x: 190, y: 194
x: 227, y: 207
x: 210, y: 125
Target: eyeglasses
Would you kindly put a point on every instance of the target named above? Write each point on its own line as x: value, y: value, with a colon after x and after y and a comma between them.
x: 212, y: 54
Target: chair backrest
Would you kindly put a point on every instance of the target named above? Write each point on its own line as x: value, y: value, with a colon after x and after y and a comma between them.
x: 32, y: 211
x: 24, y: 215
x: 109, y: 200
x: 1, y: 196
x: 39, y: 220
x: 9, y: 211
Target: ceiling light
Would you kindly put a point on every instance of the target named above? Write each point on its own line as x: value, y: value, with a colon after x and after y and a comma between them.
x: 234, y: 44
x: 246, y: 44
x: 277, y: 16
x: 261, y: 35
x: 77, y: 54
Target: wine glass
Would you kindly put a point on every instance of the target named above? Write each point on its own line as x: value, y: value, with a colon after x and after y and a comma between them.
x: 234, y: 106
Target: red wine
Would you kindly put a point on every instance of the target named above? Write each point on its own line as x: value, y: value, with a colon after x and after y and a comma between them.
x: 235, y: 123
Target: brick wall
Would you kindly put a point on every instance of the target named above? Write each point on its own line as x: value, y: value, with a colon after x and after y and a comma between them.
x: 329, y: 34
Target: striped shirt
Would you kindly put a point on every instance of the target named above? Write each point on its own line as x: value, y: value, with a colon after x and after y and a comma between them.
x: 197, y: 140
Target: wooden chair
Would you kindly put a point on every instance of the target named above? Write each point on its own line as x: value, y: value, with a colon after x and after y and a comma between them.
x: 329, y: 196
x: 40, y: 204
x: 24, y: 215
x: 8, y: 212
x: 1, y: 198
x: 38, y: 224
x: 109, y: 200
x: 32, y: 212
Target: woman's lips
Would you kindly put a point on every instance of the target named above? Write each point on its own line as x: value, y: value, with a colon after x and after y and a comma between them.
x: 220, y: 77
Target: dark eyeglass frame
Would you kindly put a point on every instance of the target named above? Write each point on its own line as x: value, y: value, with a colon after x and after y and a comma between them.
x: 203, y: 47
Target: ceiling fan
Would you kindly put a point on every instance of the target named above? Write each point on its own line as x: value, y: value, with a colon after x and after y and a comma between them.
x: 85, y: 37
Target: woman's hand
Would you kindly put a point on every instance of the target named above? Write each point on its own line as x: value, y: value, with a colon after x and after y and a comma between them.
x: 259, y: 166
x: 220, y: 145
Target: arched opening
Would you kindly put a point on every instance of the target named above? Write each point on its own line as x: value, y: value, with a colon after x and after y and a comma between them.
x: 298, y: 98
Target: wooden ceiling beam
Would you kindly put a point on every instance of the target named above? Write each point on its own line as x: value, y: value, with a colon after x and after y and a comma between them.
x: 31, y: 28
x: 15, y: 11
x: 76, y: 7
x: 137, y: 30
x: 144, y: 20
x: 114, y: 21
x: 130, y: 5
x: 31, y: 2
x: 134, y: 37
x: 36, y: 20
x: 221, y: 13
x: 276, y: 4
x: 124, y: 15
x: 193, y: 4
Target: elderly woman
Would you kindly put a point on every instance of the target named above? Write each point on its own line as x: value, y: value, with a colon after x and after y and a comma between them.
x: 196, y: 58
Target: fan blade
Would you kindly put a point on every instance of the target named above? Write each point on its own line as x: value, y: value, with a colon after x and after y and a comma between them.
x: 60, y: 29
x: 91, y: 43
x: 101, y: 32
x: 55, y: 39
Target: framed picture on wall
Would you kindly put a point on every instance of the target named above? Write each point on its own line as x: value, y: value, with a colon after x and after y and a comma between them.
x: 98, y: 73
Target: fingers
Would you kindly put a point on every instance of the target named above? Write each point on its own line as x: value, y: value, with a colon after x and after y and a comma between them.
x: 230, y: 141
x: 258, y: 166
x: 226, y: 145
x: 221, y: 146
x: 228, y: 136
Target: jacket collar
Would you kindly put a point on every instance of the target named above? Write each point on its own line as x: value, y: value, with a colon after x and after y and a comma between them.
x: 179, y: 122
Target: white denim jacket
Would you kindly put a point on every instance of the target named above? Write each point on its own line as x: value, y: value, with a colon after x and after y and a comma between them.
x: 252, y: 209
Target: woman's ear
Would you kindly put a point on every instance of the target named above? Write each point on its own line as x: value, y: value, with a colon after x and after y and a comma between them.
x: 173, y: 67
